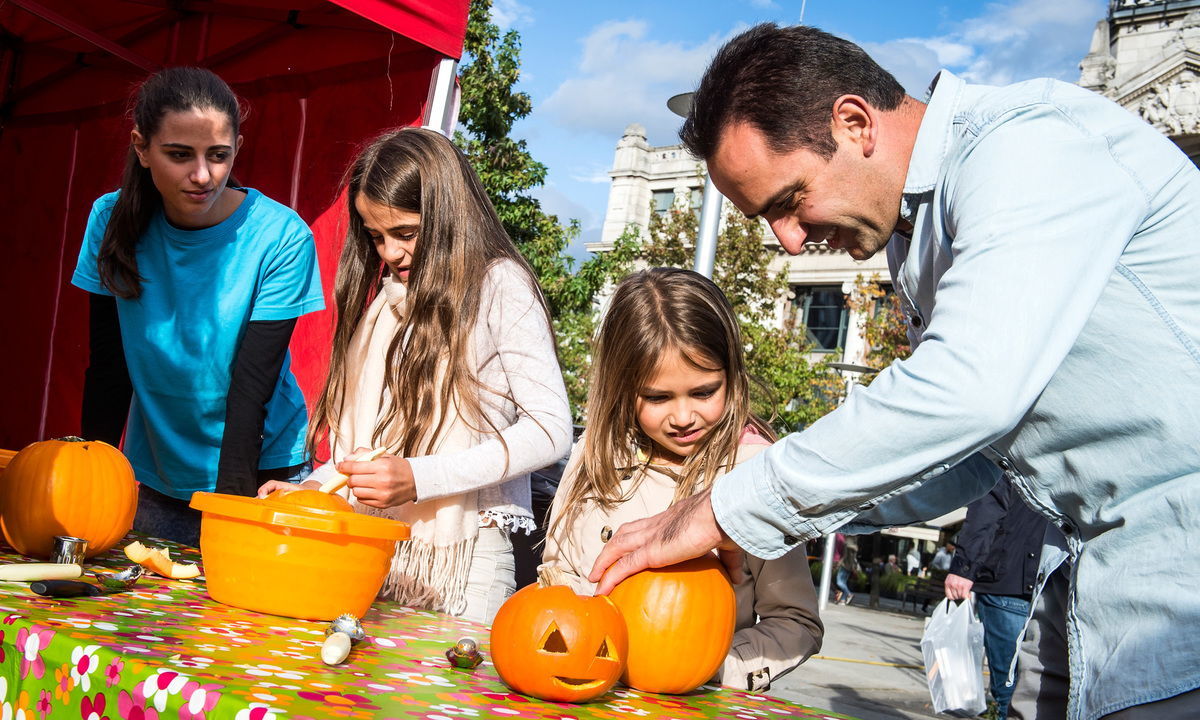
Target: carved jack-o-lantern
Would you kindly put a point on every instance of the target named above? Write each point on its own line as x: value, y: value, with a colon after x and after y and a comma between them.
x: 555, y: 645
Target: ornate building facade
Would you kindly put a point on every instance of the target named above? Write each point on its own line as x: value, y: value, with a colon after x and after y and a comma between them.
x: 1145, y: 55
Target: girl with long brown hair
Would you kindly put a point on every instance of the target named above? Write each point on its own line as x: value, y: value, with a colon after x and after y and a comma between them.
x: 444, y: 356
x: 668, y: 411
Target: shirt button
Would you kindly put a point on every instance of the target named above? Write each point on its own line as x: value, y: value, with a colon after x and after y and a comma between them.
x: 1041, y: 577
x: 1005, y: 465
x: 789, y: 540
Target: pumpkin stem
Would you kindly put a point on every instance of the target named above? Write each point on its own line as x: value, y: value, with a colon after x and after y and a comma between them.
x: 551, y: 575
x: 70, y: 438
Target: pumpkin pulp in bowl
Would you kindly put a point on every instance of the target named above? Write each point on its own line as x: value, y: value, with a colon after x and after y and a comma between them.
x: 292, y: 560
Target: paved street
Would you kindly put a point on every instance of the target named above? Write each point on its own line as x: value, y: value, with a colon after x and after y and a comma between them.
x: 862, y: 690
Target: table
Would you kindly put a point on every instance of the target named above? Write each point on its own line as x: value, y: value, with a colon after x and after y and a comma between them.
x: 164, y: 649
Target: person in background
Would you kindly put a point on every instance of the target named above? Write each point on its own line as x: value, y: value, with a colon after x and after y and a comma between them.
x: 443, y: 355
x: 195, y: 285
x: 670, y: 409
x: 943, y: 557
x: 913, y: 560
x: 999, y: 548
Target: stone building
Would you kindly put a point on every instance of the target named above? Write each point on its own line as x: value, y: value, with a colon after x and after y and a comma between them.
x: 648, y: 179
x: 1145, y: 55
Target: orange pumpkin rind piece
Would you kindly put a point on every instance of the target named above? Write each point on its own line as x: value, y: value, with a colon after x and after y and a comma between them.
x: 158, y: 561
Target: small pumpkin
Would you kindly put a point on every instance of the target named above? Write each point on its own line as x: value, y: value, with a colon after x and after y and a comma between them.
x: 308, y: 498
x: 680, y: 620
x: 555, y: 645
x: 68, y: 486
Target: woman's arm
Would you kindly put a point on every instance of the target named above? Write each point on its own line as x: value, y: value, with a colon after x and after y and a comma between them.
x: 106, y: 388
x: 255, y: 373
x: 788, y: 630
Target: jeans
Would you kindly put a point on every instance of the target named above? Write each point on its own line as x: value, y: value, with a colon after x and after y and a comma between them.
x: 492, y: 576
x: 169, y: 518
x: 842, y: 576
x: 1003, y: 618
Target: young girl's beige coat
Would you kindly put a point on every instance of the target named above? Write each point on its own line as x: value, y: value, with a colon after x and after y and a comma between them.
x: 778, y: 593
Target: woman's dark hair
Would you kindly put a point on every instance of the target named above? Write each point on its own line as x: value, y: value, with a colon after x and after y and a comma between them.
x: 783, y: 82
x: 176, y: 89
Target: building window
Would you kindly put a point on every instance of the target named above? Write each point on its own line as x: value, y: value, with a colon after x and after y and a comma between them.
x: 664, y: 200
x: 822, y: 309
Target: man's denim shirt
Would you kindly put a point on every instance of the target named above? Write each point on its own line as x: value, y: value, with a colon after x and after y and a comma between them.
x: 1052, y: 285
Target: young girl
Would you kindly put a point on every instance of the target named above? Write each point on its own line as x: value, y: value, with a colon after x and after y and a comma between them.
x: 668, y: 411
x: 443, y: 354
x: 196, y: 284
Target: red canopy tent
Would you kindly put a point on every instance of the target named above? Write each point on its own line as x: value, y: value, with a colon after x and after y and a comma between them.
x: 318, y: 78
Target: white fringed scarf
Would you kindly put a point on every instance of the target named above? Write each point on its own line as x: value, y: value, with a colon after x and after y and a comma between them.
x: 429, y: 570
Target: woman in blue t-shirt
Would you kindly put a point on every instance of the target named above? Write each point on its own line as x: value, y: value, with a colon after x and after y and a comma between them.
x: 196, y: 286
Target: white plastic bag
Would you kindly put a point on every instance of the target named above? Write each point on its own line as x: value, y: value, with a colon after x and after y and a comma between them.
x: 953, y: 650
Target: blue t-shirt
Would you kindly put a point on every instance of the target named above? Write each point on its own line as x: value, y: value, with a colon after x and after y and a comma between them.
x: 200, y: 289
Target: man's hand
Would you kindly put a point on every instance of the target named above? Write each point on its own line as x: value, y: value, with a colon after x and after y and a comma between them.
x: 384, y: 482
x: 684, y: 531
x: 958, y: 587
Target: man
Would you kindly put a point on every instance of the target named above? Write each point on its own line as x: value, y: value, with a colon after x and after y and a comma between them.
x: 913, y: 560
x: 942, y: 558
x: 997, y: 558
x: 1042, y: 241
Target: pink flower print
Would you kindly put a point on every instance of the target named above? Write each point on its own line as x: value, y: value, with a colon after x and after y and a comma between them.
x: 91, y: 709
x: 112, y: 673
x: 63, y: 684
x: 199, y: 700
x: 44, y: 704
x: 259, y: 711
x: 162, y: 685
x: 1, y: 646
x: 84, y: 662
x: 133, y: 707
x: 30, y: 643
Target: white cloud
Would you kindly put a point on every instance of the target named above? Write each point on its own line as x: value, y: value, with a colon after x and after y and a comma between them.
x: 507, y: 13
x: 625, y: 77
x: 1008, y: 42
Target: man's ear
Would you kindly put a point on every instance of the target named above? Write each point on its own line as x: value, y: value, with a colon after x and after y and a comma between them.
x: 856, y: 122
x: 140, y: 146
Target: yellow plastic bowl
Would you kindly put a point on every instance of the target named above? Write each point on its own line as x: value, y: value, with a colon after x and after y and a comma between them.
x: 289, y: 560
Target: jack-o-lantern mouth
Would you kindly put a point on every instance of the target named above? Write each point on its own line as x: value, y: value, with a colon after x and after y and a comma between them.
x: 577, y: 684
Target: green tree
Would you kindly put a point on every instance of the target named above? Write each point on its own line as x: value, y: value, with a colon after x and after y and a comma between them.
x: 489, y: 107
x: 883, y: 328
x: 795, y: 389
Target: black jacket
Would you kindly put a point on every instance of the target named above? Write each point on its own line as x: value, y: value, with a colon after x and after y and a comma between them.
x: 1000, y: 544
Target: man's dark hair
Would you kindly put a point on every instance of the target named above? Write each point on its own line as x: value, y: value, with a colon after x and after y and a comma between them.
x: 783, y: 82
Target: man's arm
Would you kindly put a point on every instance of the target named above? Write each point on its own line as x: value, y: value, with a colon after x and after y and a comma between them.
x: 107, y: 390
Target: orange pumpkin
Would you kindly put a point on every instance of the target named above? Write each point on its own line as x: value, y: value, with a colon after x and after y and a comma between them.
x: 311, y: 499
x: 680, y: 620
x: 555, y: 645
x: 69, y: 486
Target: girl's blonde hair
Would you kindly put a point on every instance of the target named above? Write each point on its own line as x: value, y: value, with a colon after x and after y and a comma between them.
x: 652, y: 313
x: 459, y: 239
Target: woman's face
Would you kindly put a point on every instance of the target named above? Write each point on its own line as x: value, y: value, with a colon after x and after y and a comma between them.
x: 394, y: 232
x: 190, y: 159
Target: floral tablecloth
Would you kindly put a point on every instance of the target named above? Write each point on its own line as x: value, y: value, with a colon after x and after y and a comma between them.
x: 164, y: 649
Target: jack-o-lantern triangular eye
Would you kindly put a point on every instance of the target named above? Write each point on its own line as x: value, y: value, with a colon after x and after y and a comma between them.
x: 553, y: 641
x: 605, y: 651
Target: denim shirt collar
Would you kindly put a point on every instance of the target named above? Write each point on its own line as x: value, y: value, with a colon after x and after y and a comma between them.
x: 933, y: 140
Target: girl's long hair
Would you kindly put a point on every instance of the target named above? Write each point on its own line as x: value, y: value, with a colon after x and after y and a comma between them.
x: 176, y: 89
x: 652, y: 313
x: 460, y: 238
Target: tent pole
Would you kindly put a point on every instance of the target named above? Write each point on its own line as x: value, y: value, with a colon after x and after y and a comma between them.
x: 441, y: 104
x: 62, y: 251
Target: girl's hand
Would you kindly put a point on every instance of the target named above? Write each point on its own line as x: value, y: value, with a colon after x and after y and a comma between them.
x: 382, y: 483
x: 271, y: 486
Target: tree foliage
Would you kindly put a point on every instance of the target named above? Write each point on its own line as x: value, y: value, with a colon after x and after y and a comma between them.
x: 883, y: 328
x: 795, y: 389
x: 489, y: 106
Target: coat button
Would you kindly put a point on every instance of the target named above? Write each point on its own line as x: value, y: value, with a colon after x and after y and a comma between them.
x: 789, y: 540
x: 916, y: 321
x: 1067, y: 528
x: 605, y: 534
x: 1032, y: 555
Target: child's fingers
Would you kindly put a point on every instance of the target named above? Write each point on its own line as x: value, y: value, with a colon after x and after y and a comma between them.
x: 271, y: 486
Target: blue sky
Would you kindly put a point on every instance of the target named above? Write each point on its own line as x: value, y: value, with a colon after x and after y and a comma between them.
x: 594, y: 66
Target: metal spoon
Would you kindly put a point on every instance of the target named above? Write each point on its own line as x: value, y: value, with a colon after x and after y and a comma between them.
x: 118, y: 581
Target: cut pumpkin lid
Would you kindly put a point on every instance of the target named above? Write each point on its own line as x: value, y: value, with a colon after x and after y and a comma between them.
x: 300, y: 517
